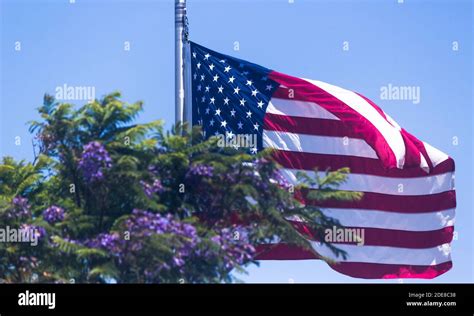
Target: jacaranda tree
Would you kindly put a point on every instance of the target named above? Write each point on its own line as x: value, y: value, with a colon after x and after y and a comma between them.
x: 111, y: 200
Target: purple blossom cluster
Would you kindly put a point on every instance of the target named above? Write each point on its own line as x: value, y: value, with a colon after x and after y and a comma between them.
x: 235, y: 246
x: 108, y: 241
x: 152, y: 189
x: 20, y: 208
x: 143, y: 224
x: 53, y: 214
x: 94, y: 161
x: 232, y: 244
x: 200, y: 170
x: 38, y: 231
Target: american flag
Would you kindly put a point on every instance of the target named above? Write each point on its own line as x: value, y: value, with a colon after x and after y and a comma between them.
x: 408, y: 205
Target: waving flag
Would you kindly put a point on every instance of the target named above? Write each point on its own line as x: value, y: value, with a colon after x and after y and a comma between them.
x: 407, y: 208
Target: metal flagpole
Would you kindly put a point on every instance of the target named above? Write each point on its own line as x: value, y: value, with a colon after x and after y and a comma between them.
x: 180, y: 16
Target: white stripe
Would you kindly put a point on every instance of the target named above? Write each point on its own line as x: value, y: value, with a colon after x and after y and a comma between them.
x: 386, y: 185
x: 436, y: 155
x: 317, y: 144
x: 390, y: 133
x: 390, y: 220
x: 298, y: 108
x: 424, y: 164
x: 387, y: 255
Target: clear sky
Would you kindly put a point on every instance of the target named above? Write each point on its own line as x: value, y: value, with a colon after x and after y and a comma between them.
x: 403, y: 44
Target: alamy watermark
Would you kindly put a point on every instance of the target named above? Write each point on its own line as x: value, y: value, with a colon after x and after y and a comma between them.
x: 237, y: 140
x: 37, y: 299
x: 345, y: 235
x: 19, y: 235
x: 68, y: 93
x: 401, y: 93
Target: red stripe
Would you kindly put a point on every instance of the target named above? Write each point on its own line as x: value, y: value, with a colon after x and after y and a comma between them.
x: 391, y: 271
x: 306, y: 91
x: 390, y: 237
x: 392, y: 203
x: 412, y: 144
x: 355, y: 269
x: 412, y: 153
x: 359, y: 165
x: 421, y: 147
x: 307, y: 125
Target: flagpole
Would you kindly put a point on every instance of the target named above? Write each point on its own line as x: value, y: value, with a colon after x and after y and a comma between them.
x: 180, y: 14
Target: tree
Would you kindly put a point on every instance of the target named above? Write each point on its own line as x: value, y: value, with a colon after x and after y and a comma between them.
x: 114, y: 201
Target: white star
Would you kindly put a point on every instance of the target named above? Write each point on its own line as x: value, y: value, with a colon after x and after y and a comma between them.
x: 202, y: 77
x: 260, y: 104
x: 203, y: 99
x: 212, y: 101
x: 240, y: 124
x: 199, y: 65
x: 207, y: 88
x: 249, y: 114
x: 211, y: 66
x: 195, y: 76
x: 231, y: 79
x: 254, y: 93
x: 218, y: 112
x: 232, y: 113
x: 211, y: 122
x: 206, y: 57
x: 223, y: 123
x: 242, y: 102
x: 222, y: 61
x: 194, y: 54
x: 236, y: 90
x: 227, y: 69
x: 215, y: 78
x: 226, y: 101
x: 216, y: 133
x: 249, y: 83
x: 207, y: 110
x: 269, y: 87
x: 230, y: 134
x: 221, y: 89
x: 255, y: 126
x: 199, y: 88
x: 253, y: 150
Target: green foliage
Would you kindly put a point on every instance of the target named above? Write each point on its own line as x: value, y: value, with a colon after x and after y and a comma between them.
x: 241, y: 191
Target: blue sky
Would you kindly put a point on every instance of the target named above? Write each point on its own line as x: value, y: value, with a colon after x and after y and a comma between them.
x: 409, y: 44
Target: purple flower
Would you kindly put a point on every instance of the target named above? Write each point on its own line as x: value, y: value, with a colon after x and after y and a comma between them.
x: 53, y: 214
x: 151, y: 189
x: 108, y: 241
x: 142, y: 225
x: 38, y: 231
x: 200, y: 170
x: 20, y: 209
x: 234, y: 245
x: 94, y: 161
